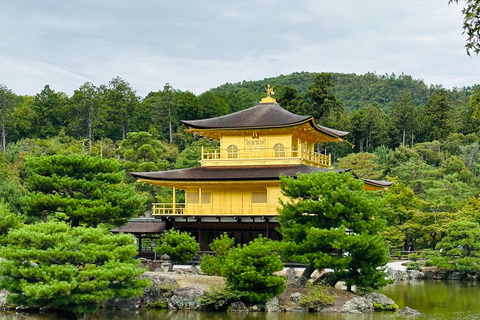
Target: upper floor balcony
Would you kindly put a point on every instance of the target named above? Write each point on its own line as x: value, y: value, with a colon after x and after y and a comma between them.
x: 214, y: 209
x: 263, y: 156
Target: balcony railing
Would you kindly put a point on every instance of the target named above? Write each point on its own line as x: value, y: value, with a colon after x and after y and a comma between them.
x: 206, y: 209
x: 168, y: 208
x: 266, y: 153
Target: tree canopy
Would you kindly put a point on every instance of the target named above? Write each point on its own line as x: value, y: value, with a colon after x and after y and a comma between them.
x: 331, y: 222
x: 69, y: 269
x: 80, y: 189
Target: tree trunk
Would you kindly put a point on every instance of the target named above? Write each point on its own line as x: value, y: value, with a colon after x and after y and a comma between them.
x: 170, y: 128
x: 412, y: 141
x: 90, y: 129
x: 305, y: 276
x: 403, y: 141
x: 327, y: 279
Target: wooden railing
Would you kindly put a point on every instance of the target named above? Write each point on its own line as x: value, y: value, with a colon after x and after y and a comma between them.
x: 266, y: 153
x: 168, y: 208
x: 206, y: 209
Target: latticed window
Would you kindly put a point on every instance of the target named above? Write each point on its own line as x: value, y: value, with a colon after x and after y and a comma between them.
x: 232, y: 151
x: 279, y: 150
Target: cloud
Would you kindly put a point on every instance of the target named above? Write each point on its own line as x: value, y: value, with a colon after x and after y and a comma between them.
x: 197, y: 45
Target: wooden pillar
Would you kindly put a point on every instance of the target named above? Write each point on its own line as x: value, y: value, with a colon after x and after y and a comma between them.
x: 199, y: 235
x: 174, y: 205
x: 267, y: 229
x: 139, y: 242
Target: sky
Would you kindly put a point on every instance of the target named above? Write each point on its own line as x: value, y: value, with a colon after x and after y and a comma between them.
x: 198, y: 45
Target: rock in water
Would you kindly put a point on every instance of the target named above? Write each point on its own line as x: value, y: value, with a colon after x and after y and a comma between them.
x: 272, y: 305
x: 381, y: 299
x: 360, y: 304
x: 238, y: 306
x: 185, y: 298
x: 409, y: 312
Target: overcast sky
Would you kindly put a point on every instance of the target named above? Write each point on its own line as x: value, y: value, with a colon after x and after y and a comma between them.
x: 198, y: 45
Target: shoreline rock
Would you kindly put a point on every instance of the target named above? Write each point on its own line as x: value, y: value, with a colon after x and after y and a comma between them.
x: 440, y: 274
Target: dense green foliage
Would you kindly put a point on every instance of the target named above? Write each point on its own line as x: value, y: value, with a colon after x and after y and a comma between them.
x: 218, y: 301
x: 392, y: 120
x: 180, y: 246
x: 212, y: 264
x: 71, y: 269
x: 331, y: 222
x: 317, y: 296
x: 460, y: 248
x: 80, y: 189
x: 249, y: 271
x: 471, y: 25
x: 8, y: 221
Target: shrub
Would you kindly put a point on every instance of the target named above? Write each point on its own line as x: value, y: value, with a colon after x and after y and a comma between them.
x: 211, y: 265
x: 398, y: 254
x: 180, y: 246
x: 428, y: 263
x: 414, y: 256
x: 249, y: 271
x: 381, y: 307
x: 156, y: 305
x: 219, y: 301
x: 317, y: 296
x: 414, y: 265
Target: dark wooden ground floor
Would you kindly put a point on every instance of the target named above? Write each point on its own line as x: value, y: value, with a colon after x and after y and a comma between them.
x: 205, y: 229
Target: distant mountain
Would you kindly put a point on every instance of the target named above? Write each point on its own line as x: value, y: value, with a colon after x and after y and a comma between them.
x: 355, y: 91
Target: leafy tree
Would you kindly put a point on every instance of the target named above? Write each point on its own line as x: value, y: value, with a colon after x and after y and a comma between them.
x: 190, y: 157
x: 50, y: 113
x: 404, y: 115
x: 69, y: 269
x: 122, y: 103
x: 401, y: 206
x: 89, y: 112
x: 320, y: 95
x: 331, y: 222
x: 471, y: 210
x: 439, y: 116
x: 7, y: 104
x: 211, y: 105
x: 80, y: 189
x: 180, y: 246
x: 471, y: 25
x: 363, y: 164
x: 212, y: 264
x: 23, y: 119
x: 141, y: 147
x: 8, y: 221
x: 460, y: 248
x: 373, y: 126
x: 249, y: 271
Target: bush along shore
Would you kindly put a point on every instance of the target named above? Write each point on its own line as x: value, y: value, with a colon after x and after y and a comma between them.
x: 186, y: 289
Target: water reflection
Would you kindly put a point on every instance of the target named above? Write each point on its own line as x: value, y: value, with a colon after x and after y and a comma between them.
x: 437, y: 300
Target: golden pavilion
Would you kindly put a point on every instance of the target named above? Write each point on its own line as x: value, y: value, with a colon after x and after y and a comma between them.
x: 236, y: 188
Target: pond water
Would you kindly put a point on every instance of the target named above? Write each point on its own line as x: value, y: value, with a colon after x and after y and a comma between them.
x: 437, y: 300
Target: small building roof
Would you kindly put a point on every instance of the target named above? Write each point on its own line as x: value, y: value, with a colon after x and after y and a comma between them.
x: 262, y: 116
x: 141, y: 226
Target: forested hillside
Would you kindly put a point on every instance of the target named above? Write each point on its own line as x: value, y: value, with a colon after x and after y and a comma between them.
x: 425, y: 138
